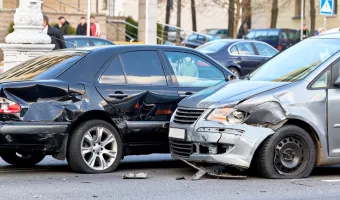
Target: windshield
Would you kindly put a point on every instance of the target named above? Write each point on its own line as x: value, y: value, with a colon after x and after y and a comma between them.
x: 297, y: 62
x: 212, y: 32
x: 41, y: 65
x: 213, y: 47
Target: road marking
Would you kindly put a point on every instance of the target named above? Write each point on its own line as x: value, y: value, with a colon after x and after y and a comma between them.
x: 331, y: 181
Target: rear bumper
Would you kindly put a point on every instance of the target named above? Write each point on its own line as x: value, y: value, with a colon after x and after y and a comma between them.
x: 30, y: 136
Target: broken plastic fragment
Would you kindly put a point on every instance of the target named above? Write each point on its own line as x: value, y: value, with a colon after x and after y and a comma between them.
x: 135, y: 176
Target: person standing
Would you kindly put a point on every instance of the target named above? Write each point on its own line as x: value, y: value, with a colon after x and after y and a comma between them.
x: 57, y: 37
x: 305, y: 32
x: 95, y: 28
x: 321, y: 30
x: 82, y: 27
x: 63, y: 25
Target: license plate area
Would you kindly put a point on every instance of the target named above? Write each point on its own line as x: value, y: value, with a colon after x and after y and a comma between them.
x: 177, y: 133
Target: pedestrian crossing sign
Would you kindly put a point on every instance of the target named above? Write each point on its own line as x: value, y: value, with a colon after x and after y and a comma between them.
x: 326, y: 7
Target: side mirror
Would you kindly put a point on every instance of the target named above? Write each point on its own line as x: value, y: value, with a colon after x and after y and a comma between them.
x: 337, y: 82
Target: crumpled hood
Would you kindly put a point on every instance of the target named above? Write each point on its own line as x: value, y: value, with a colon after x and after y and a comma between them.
x: 230, y: 93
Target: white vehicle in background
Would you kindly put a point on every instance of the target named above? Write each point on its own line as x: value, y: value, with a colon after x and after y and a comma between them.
x: 172, y: 34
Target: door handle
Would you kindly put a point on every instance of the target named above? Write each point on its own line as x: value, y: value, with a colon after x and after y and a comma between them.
x: 118, y: 95
x: 185, y: 94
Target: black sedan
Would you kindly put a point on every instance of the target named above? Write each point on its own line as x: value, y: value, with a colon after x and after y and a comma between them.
x: 239, y: 56
x: 95, y: 106
x: 76, y: 41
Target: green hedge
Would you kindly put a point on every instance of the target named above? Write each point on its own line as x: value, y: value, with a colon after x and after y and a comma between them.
x: 10, y: 28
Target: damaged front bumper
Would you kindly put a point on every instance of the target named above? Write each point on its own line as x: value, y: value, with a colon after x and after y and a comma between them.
x: 31, y: 136
x: 214, y: 142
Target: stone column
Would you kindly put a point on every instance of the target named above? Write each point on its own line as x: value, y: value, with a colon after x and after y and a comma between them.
x: 147, y: 22
x: 28, y: 40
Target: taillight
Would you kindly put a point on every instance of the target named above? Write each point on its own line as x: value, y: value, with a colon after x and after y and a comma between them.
x: 9, y: 107
x: 279, y: 47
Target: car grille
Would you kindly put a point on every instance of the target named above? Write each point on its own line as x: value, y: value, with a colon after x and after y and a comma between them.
x: 187, y: 116
x: 181, y: 149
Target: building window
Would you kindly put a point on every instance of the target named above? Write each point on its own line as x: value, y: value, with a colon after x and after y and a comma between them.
x: 297, y: 13
x: 105, y: 6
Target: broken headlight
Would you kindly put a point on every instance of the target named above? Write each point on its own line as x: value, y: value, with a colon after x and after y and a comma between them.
x: 227, y: 116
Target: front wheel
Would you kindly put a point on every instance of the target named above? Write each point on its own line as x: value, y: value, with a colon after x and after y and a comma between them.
x: 288, y: 154
x: 22, y: 159
x: 95, y: 147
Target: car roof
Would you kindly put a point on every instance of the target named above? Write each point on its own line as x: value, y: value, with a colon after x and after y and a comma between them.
x: 334, y: 35
x: 82, y: 36
x: 272, y: 29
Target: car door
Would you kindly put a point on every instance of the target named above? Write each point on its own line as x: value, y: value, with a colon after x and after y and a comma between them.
x: 246, y: 57
x: 192, y: 72
x: 137, y: 88
x: 264, y: 51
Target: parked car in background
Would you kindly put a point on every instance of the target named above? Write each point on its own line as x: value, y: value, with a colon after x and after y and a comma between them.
x: 222, y: 33
x: 94, y: 106
x: 172, y: 34
x: 195, y: 40
x: 282, y: 118
x: 85, y: 41
x: 280, y: 39
x: 240, y: 56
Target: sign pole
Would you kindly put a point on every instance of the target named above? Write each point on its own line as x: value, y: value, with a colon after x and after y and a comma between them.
x: 302, y: 15
x: 325, y: 22
x: 88, y: 17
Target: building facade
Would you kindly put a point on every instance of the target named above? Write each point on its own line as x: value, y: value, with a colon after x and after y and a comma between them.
x: 290, y: 15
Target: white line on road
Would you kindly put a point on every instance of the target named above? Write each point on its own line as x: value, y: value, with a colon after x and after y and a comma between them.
x: 331, y: 181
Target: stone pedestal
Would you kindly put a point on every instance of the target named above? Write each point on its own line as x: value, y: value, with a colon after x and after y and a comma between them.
x: 15, y: 54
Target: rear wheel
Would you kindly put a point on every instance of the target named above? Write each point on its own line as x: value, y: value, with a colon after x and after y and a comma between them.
x: 95, y: 147
x: 289, y: 153
x: 235, y: 71
x: 22, y: 159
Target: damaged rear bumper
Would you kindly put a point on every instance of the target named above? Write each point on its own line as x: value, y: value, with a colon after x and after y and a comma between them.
x: 213, y: 142
x: 30, y: 136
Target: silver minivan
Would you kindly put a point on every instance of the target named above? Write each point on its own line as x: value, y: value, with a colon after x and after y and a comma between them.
x: 284, y: 117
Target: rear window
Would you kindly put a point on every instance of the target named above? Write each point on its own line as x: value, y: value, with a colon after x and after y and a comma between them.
x: 48, y: 65
x: 213, y: 47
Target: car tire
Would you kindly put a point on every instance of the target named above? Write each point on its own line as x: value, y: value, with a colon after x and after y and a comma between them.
x: 88, y: 153
x: 288, y: 154
x: 22, y: 159
x: 235, y: 71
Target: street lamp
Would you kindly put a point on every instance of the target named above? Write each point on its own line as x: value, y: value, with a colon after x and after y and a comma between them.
x: 88, y: 17
x: 302, y: 14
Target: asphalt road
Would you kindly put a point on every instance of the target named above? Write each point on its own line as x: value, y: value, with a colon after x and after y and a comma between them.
x: 52, y: 179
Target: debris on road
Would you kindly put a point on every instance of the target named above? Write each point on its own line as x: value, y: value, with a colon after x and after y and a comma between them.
x: 180, y: 178
x: 135, y: 176
x: 85, y: 182
x: 217, y: 171
x: 37, y: 196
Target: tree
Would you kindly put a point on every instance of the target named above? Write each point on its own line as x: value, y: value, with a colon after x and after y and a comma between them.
x: 179, y: 13
x: 193, y: 15
x: 274, y: 13
x: 312, y: 17
x: 167, y: 15
x: 231, y: 18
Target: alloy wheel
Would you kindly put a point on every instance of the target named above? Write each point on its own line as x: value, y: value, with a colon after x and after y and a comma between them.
x: 99, y: 148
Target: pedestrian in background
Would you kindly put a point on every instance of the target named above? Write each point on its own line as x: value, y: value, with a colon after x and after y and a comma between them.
x: 95, y: 28
x: 82, y: 27
x: 321, y: 30
x: 63, y: 25
x: 243, y: 31
x: 57, y: 37
x: 305, y: 32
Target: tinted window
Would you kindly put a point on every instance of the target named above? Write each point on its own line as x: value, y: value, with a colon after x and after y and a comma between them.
x: 245, y: 48
x: 193, y: 71
x: 143, y: 68
x: 98, y: 42
x: 48, y: 65
x: 292, y: 35
x: 192, y: 37
x: 81, y: 42
x: 213, y: 47
x: 284, y: 35
x: 201, y: 38
x: 273, y: 35
x: 264, y: 50
x: 250, y: 35
x: 260, y: 35
x: 113, y: 74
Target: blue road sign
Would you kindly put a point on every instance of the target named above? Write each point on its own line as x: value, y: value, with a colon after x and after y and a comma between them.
x: 326, y: 7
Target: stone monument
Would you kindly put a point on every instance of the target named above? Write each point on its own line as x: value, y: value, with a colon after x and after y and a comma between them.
x: 28, y: 40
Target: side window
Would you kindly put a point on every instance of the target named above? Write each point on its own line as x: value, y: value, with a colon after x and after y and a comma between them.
x: 82, y: 43
x: 97, y: 42
x: 264, y: 50
x: 201, y: 38
x: 234, y: 51
x: 250, y: 35
x: 291, y: 35
x: 193, y: 71
x: 273, y: 35
x: 335, y: 71
x: 322, y: 82
x: 284, y: 35
x: 143, y: 68
x: 245, y: 48
x: 192, y: 37
x: 260, y: 35
x: 113, y: 74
